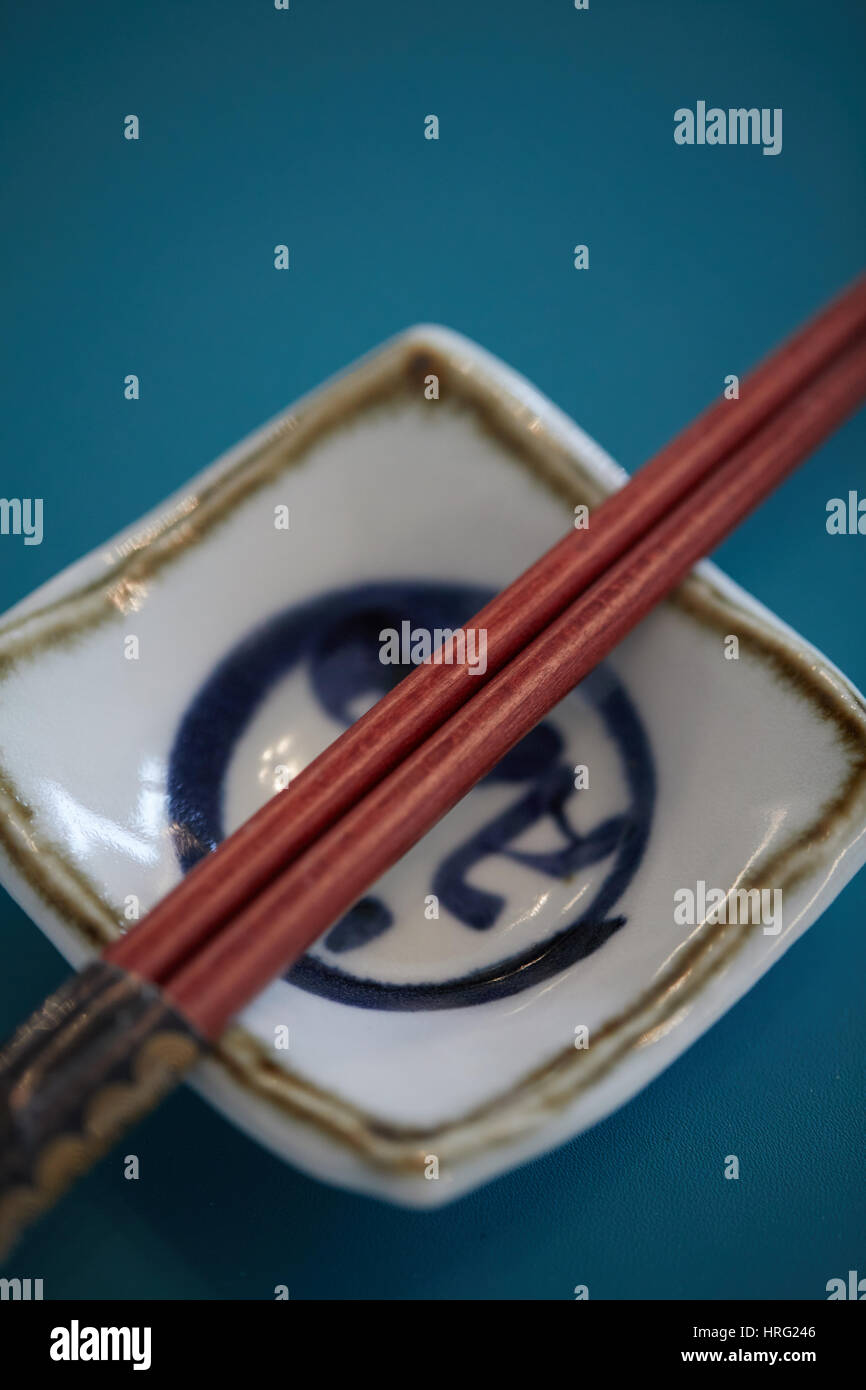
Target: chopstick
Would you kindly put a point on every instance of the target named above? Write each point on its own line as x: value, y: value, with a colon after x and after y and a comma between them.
x: 284, y: 919
x: 110, y: 1042
x: 220, y: 884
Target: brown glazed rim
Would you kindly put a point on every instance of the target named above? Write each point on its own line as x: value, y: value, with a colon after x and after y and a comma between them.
x: 399, y: 370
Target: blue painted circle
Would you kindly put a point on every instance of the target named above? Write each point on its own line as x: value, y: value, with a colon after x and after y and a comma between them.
x: 336, y: 638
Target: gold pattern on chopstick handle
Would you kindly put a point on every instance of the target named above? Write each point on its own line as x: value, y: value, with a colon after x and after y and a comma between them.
x: 94, y: 1059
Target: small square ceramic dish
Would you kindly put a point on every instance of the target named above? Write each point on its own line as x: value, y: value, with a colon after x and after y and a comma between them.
x: 556, y: 941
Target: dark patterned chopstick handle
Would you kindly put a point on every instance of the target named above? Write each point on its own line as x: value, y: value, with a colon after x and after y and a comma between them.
x: 91, y: 1061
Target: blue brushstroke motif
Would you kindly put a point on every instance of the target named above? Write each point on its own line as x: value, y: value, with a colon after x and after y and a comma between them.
x: 335, y: 639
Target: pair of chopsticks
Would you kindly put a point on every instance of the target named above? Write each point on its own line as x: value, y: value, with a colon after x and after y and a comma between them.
x: 114, y: 1039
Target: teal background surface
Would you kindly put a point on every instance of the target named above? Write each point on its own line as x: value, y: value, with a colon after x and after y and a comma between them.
x: 156, y: 257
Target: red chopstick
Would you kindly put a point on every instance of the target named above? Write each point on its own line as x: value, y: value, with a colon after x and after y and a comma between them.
x: 221, y: 884
x: 285, y: 918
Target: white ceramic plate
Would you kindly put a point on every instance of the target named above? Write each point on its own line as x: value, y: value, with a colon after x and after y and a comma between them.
x: 415, y: 1037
